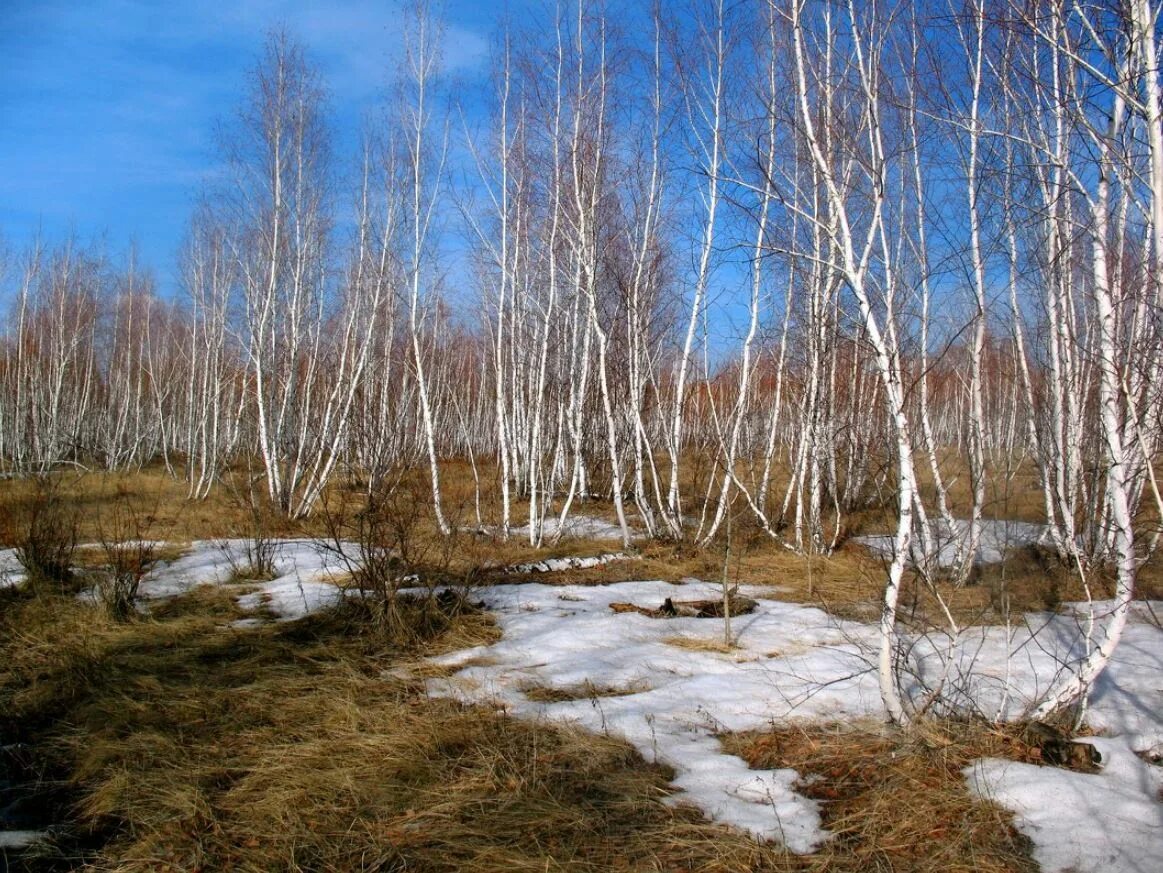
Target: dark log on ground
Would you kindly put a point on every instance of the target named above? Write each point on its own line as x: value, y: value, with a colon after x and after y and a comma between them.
x: 670, y: 608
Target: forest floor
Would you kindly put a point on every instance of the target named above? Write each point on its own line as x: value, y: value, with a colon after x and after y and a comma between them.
x: 271, y: 723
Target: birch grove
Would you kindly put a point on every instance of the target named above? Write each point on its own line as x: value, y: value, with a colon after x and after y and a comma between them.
x: 794, y: 260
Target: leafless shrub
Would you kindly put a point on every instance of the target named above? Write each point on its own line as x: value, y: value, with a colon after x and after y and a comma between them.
x: 129, y: 554
x: 44, y: 532
x: 399, y: 566
x: 260, y: 545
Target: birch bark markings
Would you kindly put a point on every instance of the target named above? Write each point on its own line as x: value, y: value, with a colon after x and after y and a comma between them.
x: 421, y: 51
x: 1132, y: 83
x: 280, y: 174
x: 642, y: 293
x: 581, y: 375
x: 709, y: 145
x: 730, y: 447
x: 974, y: 46
x: 853, y: 260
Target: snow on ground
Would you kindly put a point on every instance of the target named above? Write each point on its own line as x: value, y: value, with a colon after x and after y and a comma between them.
x: 306, y: 573
x: 1083, y: 822
x: 126, y: 544
x: 792, y: 662
x: 1113, y: 819
x: 584, y: 527
x: 1001, y: 672
x: 997, y: 539
x: 290, y: 597
x: 11, y: 573
x: 20, y: 839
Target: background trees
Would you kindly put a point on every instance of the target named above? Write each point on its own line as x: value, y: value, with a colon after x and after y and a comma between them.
x: 812, y: 257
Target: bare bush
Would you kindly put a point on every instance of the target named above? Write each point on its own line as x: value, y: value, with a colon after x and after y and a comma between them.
x: 399, y: 566
x: 259, y: 546
x: 44, y: 532
x: 129, y: 554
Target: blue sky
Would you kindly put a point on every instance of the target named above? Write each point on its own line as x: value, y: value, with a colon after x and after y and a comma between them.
x: 108, y: 107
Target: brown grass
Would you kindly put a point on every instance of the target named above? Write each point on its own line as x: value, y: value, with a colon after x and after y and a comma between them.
x: 166, y: 512
x: 193, y: 746
x: 586, y: 691
x: 847, y: 583
x: 897, y: 800
x: 90, y: 556
x: 699, y: 644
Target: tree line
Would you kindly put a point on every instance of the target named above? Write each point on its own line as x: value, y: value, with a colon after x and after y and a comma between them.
x: 788, y: 256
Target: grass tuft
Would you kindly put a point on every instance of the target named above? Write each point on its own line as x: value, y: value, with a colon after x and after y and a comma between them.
x: 191, y: 745
x: 585, y: 691
x: 897, y: 800
x: 700, y: 644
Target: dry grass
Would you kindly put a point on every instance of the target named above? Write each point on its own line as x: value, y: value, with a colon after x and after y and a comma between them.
x: 700, y: 644
x: 167, y: 513
x: 304, y: 747
x: 93, y: 557
x: 191, y: 746
x: 897, y: 800
x: 312, y: 746
x: 586, y: 691
x: 847, y: 583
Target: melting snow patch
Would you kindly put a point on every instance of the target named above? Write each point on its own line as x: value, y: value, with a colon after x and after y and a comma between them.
x: 216, y: 561
x: 11, y: 573
x: 998, y: 538
x: 307, y: 573
x: 582, y: 527
x: 1082, y: 822
x: 791, y: 662
x: 247, y: 623
x: 20, y: 839
x: 565, y: 637
x: 290, y: 597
